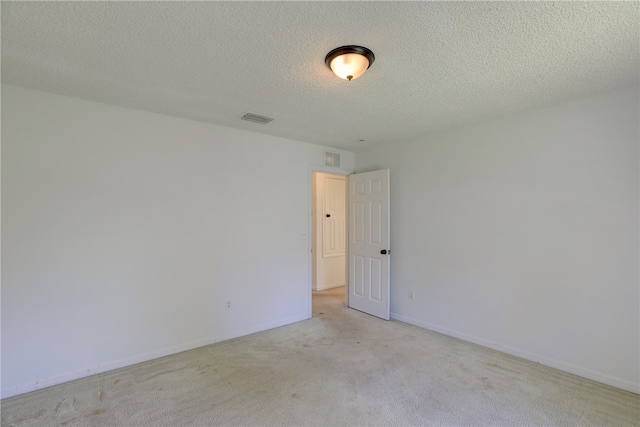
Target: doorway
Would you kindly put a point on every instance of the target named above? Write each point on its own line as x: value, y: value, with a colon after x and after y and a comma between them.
x: 366, y: 249
x: 328, y: 235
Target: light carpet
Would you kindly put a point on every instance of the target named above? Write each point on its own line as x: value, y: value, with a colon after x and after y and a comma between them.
x: 341, y: 367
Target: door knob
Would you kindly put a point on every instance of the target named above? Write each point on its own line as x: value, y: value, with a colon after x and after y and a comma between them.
x: 328, y: 215
x: 383, y: 252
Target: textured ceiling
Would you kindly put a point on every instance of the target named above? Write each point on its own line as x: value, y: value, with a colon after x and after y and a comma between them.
x: 438, y: 64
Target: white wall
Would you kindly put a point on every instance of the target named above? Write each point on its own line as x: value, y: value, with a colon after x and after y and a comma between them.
x: 328, y: 272
x: 522, y: 235
x: 124, y: 233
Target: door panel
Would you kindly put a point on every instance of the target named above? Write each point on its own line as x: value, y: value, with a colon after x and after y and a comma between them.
x: 358, y: 280
x: 369, y: 234
x: 376, y: 223
x: 358, y: 226
x: 376, y: 279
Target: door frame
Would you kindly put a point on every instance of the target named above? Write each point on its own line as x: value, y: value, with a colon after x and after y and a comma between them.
x: 334, y: 171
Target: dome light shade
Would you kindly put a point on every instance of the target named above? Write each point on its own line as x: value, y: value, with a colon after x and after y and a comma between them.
x: 349, y: 62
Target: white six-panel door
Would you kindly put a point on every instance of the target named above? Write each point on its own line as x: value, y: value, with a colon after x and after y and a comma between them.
x: 369, y: 251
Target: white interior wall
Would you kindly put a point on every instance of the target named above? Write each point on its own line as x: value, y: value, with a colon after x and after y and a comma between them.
x: 522, y: 235
x: 328, y: 272
x: 124, y: 233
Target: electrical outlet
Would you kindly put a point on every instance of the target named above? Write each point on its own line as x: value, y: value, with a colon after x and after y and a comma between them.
x: 410, y: 293
x: 303, y: 235
x: 228, y: 305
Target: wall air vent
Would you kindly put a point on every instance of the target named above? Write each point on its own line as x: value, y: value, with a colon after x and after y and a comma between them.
x: 256, y: 118
x: 331, y: 159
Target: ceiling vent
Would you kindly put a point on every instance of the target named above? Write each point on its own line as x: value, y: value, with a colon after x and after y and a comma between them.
x: 256, y: 118
x: 331, y: 159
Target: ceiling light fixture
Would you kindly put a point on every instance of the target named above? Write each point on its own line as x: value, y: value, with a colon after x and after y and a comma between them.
x: 349, y: 62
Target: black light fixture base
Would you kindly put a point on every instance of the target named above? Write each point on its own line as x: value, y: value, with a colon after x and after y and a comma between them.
x: 349, y: 49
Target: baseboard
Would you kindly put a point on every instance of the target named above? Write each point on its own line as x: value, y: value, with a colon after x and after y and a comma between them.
x: 552, y: 363
x: 134, y: 360
x: 263, y: 327
x: 337, y: 285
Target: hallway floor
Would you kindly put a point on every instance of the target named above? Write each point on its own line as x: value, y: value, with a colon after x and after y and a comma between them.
x: 333, y: 294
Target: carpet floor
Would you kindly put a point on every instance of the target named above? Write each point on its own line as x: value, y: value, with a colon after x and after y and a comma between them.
x: 341, y: 367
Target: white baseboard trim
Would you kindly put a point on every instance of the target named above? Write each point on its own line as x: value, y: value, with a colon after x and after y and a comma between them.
x: 133, y: 360
x: 324, y: 288
x: 263, y: 327
x: 552, y: 363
